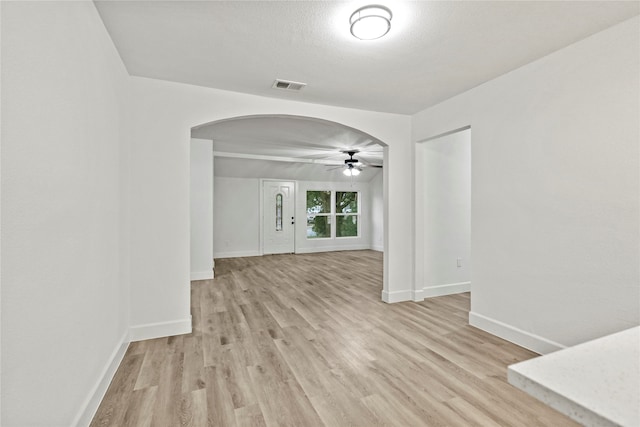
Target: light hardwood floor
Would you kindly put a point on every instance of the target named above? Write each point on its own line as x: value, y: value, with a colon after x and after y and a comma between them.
x: 304, y: 340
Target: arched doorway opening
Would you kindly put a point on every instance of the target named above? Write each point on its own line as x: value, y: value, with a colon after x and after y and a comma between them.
x: 236, y: 158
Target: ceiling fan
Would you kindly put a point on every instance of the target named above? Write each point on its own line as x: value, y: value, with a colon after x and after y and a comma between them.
x: 352, y: 166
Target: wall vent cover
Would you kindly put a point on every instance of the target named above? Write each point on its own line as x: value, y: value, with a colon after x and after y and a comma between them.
x: 288, y: 85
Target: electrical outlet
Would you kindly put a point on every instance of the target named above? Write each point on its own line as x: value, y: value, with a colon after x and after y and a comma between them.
x: 459, y: 262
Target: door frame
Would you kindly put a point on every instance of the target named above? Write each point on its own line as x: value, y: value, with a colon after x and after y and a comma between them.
x: 261, y: 211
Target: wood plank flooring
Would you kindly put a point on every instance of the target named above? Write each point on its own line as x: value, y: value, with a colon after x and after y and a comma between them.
x: 304, y: 340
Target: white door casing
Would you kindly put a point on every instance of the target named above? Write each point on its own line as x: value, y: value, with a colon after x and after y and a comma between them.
x: 278, y: 219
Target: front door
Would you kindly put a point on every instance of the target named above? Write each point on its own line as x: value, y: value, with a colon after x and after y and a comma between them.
x: 278, y: 221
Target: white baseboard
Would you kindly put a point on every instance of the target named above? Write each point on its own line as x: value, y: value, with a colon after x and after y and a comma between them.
x: 332, y: 249
x: 95, y: 396
x: 241, y: 254
x: 517, y: 336
x: 377, y: 248
x: 448, y: 289
x: 202, y: 275
x: 397, y: 296
x: 160, y: 329
x: 236, y: 254
x: 441, y: 290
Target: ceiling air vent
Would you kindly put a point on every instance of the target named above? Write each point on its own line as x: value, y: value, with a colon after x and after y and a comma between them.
x: 288, y: 85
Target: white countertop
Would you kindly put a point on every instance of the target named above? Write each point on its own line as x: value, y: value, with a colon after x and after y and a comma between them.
x: 596, y: 383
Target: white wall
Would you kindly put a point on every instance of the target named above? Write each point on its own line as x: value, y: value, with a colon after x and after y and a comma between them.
x: 555, y: 189
x: 236, y: 217
x: 201, y: 209
x: 443, y: 205
x: 305, y: 245
x: 0, y: 229
x: 159, y: 118
x: 377, y: 212
x: 64, y: 306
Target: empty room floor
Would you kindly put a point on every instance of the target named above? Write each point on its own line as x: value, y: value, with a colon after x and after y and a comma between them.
x: 304, y: 340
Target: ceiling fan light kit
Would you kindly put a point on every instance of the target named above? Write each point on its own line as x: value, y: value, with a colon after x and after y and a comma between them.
x: 351, y: 171
x: 350, y: 164
x: 370, y: 22
x: 352, y: 167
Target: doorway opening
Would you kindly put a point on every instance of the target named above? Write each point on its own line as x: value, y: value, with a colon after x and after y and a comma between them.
x: 263, y: 169
x: 443, y: 215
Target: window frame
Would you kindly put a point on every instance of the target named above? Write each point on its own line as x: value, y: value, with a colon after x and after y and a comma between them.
x: 329, y: 216
x: 356, y: 214
x: 332, y: 216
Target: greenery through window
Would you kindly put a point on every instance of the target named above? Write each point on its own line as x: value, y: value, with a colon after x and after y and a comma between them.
x: 346, y: 214
x: 318, y: 214
x: 325, y: 208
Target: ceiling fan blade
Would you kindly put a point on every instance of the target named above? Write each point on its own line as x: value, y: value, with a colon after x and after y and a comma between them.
x: 371, y: 165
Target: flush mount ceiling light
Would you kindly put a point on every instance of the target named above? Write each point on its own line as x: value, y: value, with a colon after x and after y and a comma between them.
x: 370, y: 22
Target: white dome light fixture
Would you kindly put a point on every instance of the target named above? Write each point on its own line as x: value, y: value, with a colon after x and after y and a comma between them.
x: 370, y: 22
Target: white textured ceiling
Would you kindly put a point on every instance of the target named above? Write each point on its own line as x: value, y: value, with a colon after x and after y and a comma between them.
x: 289, y: 147
x: 434, y: 50
x: 291, y: 138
